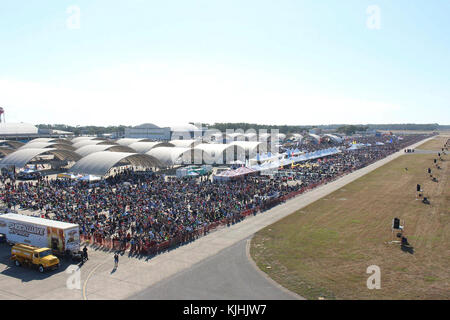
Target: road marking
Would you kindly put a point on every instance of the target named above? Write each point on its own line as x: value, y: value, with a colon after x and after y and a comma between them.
x: 87, y: 279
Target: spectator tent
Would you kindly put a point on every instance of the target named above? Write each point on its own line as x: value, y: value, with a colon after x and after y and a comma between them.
x: 78, y: 139
x: 334, y: 138
x: 217, y: 153
x: 42, y: 145
x: 87, y: 150
x: 20, y: 158
x: 238, y: 173
x: 128, y: 141
x: 99, y: 163
x: 251, y: 148
x: 170, y: 156
x: 215, y: 137
x: 235, y: 136
x: 51, y: 140
x: 144, y: 147
x: 251, y: 136
x: 296, y: 137
x: 86, y: 142
x: 185, y: 143
x: 314, y: 137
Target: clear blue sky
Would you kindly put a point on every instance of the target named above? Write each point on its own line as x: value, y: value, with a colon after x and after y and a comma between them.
x: 273, y: 62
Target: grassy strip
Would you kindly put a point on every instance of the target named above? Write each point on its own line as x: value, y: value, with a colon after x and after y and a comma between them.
x: 324, y: 249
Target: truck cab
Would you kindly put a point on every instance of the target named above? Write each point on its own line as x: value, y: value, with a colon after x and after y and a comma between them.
x: 42, y: 258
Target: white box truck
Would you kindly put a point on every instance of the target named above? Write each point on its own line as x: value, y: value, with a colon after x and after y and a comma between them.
x: 62, y: 237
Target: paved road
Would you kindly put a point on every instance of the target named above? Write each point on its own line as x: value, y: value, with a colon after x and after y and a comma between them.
x: 226, y: 276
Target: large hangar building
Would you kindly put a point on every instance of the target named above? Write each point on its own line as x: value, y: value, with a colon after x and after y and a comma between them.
x: 154, y: 132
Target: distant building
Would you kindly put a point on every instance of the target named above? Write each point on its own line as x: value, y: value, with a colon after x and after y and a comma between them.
x: 315, y: 131
x: 26, y: 131
x: 154, y: 132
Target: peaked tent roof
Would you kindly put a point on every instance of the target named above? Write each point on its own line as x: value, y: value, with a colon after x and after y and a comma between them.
x: 86, y: 142
x: 144, y: 147
x: 51, y: 140
x: 128, y: 141
x: 42, y: 145
x: 170, y: 156
x: 99, y: 163
x: 188, y: 143
x: 87, y: 150
x: 20, y: 158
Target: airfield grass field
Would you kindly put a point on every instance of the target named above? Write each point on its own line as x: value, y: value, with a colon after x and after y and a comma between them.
x: 435, y: 144
x: 324, y: 249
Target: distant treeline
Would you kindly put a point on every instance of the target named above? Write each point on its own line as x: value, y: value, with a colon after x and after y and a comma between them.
x: 246, y: 126
x: 401, y: 126
x: 409, y: 126
x: 344, y: 128
x: 84, y: 130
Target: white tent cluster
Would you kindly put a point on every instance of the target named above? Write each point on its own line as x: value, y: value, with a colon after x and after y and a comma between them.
x: 84, y: 155
x: 96, y: 156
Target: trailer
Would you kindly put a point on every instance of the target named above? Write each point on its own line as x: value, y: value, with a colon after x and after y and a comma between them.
x: 61, y: 237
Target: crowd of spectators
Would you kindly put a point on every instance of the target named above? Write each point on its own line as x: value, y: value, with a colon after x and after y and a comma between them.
x: 144, y: 207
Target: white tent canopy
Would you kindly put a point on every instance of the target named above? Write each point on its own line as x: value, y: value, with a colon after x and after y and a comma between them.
x: 171, y: 156
x: 251, y: 147
x: 219, y: 153
x: 251, y: 136
x: 314, y: 136
x: 92, y: 148
x: 334, y: 138
x: 20, y: 158
x: 128, y: 141
x: 51, y: 140
x: 42, y: 144
x: 297, y: 137
x: 78, y: 139
x: 235, y: 136
x: 86, y: 142
x: 144, y: 147
x: 185, y: 143
x: 99, y: 163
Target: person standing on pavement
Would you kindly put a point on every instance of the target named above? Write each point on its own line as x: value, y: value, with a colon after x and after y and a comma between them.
x: 116, y: 260
x: 85, y: 254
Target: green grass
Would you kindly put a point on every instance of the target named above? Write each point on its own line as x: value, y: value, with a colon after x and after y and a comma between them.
x: 324, y: 249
